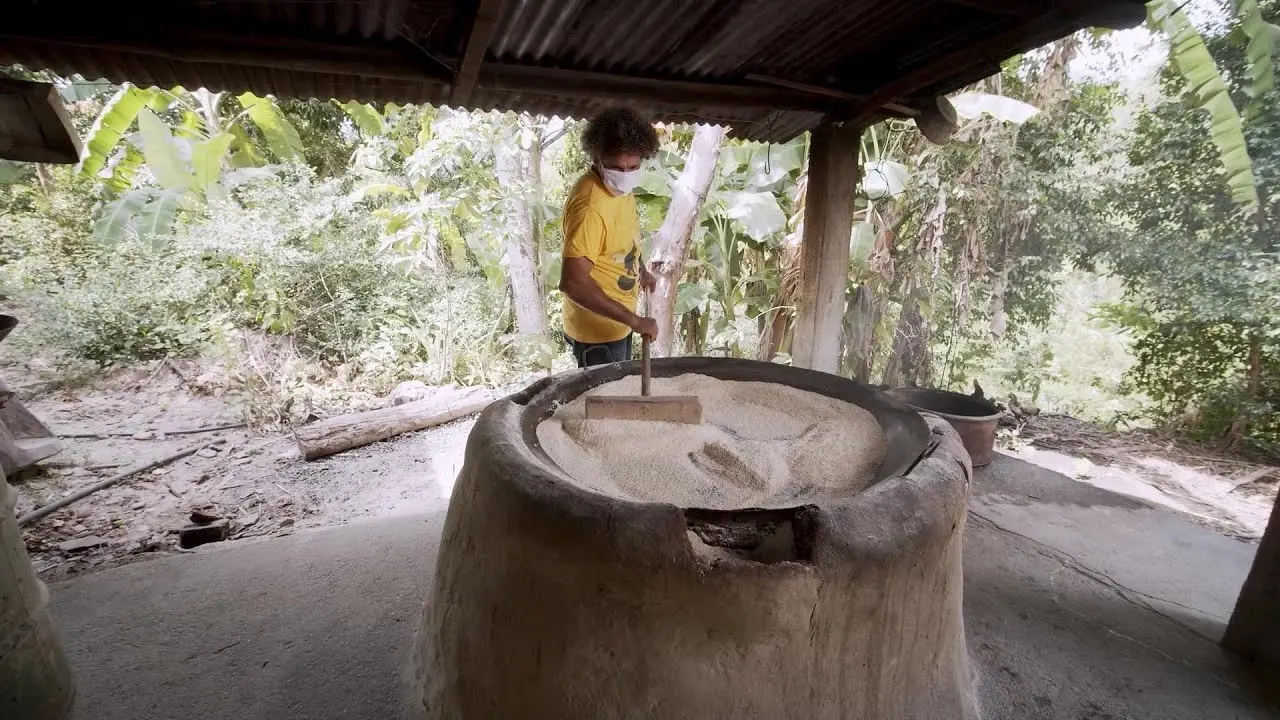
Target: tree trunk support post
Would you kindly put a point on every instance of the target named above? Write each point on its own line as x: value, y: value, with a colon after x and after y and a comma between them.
x: 834, y: 171
x: 670, y: 249
x: 1254, y: 628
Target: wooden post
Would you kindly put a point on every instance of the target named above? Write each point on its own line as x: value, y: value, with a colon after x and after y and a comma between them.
x: 824, y: 255
x: 1254, y: 628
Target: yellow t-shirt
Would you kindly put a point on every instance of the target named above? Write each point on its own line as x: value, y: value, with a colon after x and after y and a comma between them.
x: 603, y: 229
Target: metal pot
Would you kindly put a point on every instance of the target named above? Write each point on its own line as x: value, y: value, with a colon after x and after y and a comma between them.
x: 973, y: 418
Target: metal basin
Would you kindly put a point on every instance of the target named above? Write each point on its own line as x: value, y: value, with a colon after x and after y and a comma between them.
x: 906, y: 434
x: 973, y: 418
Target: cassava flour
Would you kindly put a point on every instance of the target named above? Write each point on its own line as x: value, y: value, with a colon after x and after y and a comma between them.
x: 759, y: 445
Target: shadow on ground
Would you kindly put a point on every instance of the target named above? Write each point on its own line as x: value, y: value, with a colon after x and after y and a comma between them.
x: 1080, y: 604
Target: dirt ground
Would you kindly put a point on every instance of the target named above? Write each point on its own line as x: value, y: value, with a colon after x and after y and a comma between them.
x: 1231, y: 494
x: 260, y: 484
x: 254, y: 479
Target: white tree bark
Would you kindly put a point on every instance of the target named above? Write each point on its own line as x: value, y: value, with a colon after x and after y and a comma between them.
x: 671, y: 245
x: 511, y: 165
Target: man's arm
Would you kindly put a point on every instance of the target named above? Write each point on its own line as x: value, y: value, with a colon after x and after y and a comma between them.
x: 576, y: 282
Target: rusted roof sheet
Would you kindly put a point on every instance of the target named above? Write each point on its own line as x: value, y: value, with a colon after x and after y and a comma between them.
x: 768, y: 68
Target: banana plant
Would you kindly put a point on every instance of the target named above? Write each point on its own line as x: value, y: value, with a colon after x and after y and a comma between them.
x: 186, y: 158
x: 1209, y: 88
x: 1262, y: 41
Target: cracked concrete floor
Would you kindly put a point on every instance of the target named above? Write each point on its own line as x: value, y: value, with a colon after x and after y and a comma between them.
x: 1080, y: 604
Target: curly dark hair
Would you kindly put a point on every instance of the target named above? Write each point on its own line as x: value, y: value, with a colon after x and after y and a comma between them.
x: 620, y: 130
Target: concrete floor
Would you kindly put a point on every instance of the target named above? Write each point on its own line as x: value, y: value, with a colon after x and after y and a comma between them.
x: 1080, y: 604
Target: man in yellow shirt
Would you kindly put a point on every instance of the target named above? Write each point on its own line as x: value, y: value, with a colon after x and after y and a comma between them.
x: 602, y: 270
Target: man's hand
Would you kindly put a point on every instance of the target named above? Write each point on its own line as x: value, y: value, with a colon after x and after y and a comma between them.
x: 648, y: 281
x: 576, y: 282
x: 646, y: 326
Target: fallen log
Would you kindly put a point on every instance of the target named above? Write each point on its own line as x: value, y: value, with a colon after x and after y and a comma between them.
x: 344, y: 432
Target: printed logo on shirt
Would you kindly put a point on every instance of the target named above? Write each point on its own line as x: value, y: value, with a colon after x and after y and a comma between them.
x: 628, y: 282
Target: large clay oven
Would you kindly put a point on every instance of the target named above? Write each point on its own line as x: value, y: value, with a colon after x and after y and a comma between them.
x: 556, y: 601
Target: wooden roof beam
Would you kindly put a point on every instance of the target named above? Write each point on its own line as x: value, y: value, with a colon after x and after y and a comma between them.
x: 624, y: 88
x: 401, y: 61
x: 482, y: 29
x: 390, y: 61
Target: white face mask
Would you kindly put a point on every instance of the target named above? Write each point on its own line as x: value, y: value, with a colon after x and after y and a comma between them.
x: 620, y: 182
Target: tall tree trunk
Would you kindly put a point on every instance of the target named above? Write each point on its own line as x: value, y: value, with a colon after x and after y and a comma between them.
x: 671, y: 245
x: 692, y: 321
x: 867, y: 305
x: 779, y: 319
x: 782, y: 316
x: 998, y: 319
x: 1000, y: 282
x: 1053, y: 89
x: 44, y: 176
x: 510, y: 163
x: 534, y: 173
x: 909, y: 360
x: 1253, y: 386
x: 861, y: 316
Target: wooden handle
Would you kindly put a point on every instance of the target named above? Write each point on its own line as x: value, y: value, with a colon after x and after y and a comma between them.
x: 644, y: 366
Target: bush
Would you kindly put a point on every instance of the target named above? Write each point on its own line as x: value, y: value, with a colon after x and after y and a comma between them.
x: 44, y: 237
x: 84, y: 300
x: 1075, y: 364
x: 282, y: 253
x: 303, y: 258
x: 1200, y: 375
x: 134, y: 305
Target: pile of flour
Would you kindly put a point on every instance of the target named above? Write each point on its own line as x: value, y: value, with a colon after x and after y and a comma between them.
x: 759, y: 445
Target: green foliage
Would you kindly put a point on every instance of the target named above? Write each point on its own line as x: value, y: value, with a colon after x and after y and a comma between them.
x: 1075, y: 364
x: 131, y: 305
x: 734, y: 274
x: 119, y: 215
x: 325, y: 131
x: 123, y: 166
x: 109, y: 128
x: 1209, y: 87
x: 43, y: 238
x: 756, y: 214
x: 366, y: 117
x: 185, y: 142
x: 282, y: 137
x: 160, y: 149
x: 88, y: 301
x: 884, y: 179
x: 1202, y: 281
x: 12, y: 172
x: 1262, y: 38
x: 1194, y: 373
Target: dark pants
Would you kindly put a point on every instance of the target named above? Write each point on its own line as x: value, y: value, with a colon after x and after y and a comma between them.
x: 601, y: 353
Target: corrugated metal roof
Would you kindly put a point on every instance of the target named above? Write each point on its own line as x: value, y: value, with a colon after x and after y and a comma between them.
x: 410, y: 50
